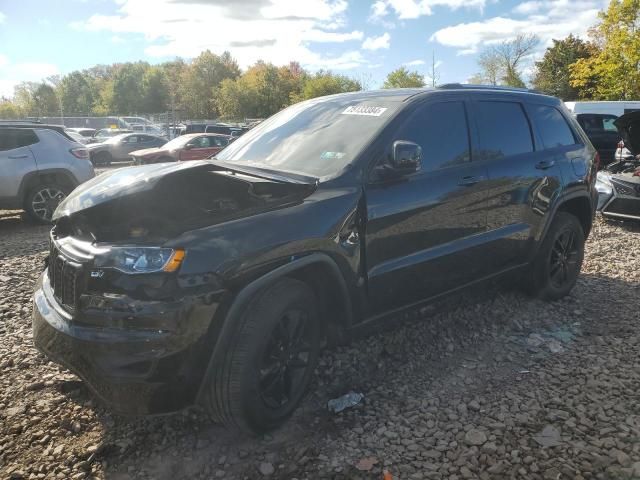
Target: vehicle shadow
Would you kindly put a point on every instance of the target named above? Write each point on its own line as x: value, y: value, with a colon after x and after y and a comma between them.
x: 423, y: 354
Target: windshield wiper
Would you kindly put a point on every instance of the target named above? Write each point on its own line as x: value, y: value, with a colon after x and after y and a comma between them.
x: 267, y: 174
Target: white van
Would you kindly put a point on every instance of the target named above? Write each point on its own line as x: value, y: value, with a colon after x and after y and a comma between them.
x: 612, y: 108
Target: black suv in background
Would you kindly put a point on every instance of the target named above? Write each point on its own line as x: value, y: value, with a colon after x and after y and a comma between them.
x: 218, y: 281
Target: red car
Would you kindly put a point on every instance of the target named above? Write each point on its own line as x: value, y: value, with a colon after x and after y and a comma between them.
x: 194, y: 146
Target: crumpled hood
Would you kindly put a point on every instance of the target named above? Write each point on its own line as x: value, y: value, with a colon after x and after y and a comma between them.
x: 118, y: 183
x: 155, y: 203
x: 628, y: 126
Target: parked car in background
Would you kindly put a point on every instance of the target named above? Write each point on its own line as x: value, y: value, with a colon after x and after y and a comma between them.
x: 619, y: 184
x: 226, y: 130
x: 602, y: 132
x: 107, y: 133
x: 77, y: 137
x: 85, y: 132
x: 218, y: 282
x: 150, y: 129
x: 39, y: 166
x: 194, y: 146
x: 119, y: 148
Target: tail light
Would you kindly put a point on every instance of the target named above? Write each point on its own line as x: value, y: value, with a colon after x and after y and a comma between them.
x: 81, y: 153
x: 620, y: 144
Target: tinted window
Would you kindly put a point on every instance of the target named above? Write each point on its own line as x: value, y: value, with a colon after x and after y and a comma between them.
x: 503, y: 129
x: 16, y: 138
x: 441, y: 130
x: 553, y: 128
x: 607, y: 124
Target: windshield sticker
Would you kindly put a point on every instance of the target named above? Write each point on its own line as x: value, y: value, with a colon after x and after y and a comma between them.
x: 331, y: 155
x: 363, y: 110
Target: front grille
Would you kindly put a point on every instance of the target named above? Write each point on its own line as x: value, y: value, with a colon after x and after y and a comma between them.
x: 626, y: 188
x: 624, y: 206
x: 65, y: 277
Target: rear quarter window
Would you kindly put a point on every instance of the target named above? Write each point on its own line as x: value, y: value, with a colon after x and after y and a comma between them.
x: 552, y: 126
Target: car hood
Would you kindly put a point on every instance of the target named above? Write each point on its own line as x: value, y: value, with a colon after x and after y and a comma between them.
x: 157, y: 202
x: 97, y: 146
x: 147, y: 151
x: 628, y: 126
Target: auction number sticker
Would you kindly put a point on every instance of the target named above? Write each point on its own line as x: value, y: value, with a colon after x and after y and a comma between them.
x: 363, y: 110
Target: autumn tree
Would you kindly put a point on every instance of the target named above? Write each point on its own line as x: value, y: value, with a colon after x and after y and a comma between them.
x: 502, y: 64
x: 403, y: 78
x: 552, y: 73
x: 613, y: 71
x: 325, y: 82
x: 8, y: 110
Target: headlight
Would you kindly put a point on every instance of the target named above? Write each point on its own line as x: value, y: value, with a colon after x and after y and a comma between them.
x: 141, y: 260
x: 603, y: 185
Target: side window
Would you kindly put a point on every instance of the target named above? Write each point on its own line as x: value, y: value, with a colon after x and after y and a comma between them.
x: 7, y: 140
x: 24, y: 138
x: 607, y: 123
x: 441, y: 130
x: 504, y: 130
x: 552, y: 126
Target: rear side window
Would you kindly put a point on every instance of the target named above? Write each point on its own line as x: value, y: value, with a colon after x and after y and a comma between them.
x: 552, y: 126
x: 504, y: 130
x: 441, y: 130
x: 16, y: 138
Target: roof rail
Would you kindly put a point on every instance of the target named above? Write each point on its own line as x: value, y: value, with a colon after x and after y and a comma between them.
x: 454, y: 86
x: 26, y: 122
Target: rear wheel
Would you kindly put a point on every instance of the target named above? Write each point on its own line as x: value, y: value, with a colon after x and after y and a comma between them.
x: 102, y: 158
x: 270, y: 360
x: 42, y: 200
x: 557, y: 266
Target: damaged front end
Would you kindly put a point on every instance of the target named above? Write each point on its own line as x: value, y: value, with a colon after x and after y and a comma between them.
x: 619, y: 184
x: 123, y: 306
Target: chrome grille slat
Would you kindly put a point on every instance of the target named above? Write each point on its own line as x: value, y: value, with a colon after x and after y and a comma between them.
x: 65, y: 279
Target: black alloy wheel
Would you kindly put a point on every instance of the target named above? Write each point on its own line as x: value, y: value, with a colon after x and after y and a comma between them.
x: 564, y: 259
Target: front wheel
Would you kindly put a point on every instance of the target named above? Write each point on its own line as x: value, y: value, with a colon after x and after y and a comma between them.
x: 556, y: 268
x: 269, y: 361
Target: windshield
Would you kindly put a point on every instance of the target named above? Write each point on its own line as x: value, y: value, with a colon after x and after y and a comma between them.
x: 316, y: 137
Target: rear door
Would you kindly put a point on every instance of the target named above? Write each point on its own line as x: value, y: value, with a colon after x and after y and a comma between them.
x: 524, y: 179
x: 16, y: 159
x: 423, y: 229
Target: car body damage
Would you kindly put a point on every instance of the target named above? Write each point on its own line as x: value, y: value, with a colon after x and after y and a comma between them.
x: 619, y: 183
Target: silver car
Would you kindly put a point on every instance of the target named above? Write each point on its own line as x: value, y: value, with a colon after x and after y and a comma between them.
x: 39, y: 166
x: 120, y: 147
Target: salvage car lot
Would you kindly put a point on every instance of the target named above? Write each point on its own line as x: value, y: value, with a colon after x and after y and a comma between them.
x: 500, y: 386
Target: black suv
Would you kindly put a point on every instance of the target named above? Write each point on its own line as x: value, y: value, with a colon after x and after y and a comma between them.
x: 217, y: 282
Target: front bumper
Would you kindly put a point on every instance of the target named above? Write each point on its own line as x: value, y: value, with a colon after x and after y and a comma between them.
x: 622, y: 201
x: 133, y: 368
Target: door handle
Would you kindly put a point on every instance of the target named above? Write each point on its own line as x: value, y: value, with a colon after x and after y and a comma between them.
x: 470, y: 180
x: 544, y: 164
x: 18, y: 156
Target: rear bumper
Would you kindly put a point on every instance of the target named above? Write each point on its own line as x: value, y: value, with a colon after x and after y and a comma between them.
x: 133, y: 371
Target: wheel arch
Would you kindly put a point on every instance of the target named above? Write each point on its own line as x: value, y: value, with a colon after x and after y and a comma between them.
x: 579, y: 206
x: 56, y: 175
x: 320, y: 272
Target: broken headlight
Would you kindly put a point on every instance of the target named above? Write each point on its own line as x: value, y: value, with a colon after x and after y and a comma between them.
x: 141, y: 259
x: 603, y: 185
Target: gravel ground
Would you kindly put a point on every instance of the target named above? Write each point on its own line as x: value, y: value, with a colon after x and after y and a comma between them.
x: 496, y: 386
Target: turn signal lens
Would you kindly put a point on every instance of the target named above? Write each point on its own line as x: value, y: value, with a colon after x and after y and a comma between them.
x: 175, y: 261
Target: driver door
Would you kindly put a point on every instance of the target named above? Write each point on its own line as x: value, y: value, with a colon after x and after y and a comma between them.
x: 425, y: 230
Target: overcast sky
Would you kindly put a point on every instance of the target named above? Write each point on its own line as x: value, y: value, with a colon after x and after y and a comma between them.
x: 365, y: 39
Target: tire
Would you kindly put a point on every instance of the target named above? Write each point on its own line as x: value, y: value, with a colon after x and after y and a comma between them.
x: 555, y: 270
x: 42, y: 200
x: 102, y: 158
x: 259, y: 384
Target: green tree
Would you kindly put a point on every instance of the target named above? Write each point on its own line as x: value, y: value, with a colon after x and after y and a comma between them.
x: 403, y: 78
x: 613, y: 71
x: 552, y: 74
x: 502, y: 63
x: 78, y: 93
x: 128, y: 89
x: 324, y: 82
x: 155, y: 91
x: 202, y: 78
x: 8, y: 110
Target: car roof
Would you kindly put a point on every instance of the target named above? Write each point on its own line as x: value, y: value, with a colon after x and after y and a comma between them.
x: 33, y: 126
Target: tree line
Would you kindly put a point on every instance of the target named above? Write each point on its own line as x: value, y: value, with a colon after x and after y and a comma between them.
x: 606, y: 66
x: 209, y: 86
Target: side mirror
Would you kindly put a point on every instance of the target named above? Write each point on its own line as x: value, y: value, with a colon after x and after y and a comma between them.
x: 406, y: 157
x: 188, y: 146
